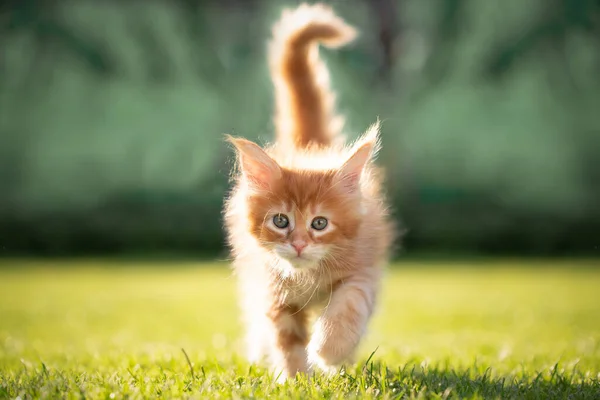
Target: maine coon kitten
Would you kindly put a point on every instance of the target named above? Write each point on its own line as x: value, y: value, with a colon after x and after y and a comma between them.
x: 306, y: 220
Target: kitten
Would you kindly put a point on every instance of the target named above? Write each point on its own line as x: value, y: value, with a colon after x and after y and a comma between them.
x: 306, y: 220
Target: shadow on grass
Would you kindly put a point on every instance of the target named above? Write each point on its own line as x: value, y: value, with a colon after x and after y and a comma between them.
x: 413, y: 380
x: 236, y: 379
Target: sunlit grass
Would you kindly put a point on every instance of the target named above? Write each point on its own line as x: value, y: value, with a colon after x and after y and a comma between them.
x: 108, y: 330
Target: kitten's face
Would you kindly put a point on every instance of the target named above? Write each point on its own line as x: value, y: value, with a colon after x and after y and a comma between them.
x: 304, y: 218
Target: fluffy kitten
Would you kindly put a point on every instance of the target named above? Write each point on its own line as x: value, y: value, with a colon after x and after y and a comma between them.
x: 306, y: 220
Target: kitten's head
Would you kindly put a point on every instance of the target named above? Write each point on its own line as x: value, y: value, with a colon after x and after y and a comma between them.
x: 304, y: 215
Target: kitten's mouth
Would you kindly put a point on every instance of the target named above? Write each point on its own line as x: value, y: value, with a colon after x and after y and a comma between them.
x: 298, y: 261
x: 302, y: 262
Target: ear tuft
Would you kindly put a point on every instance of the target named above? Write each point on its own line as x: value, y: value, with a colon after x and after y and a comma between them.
x: 365, y: 150
x: 257, y: 166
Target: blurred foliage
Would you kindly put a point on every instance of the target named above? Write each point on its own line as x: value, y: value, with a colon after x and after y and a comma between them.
x: 112, y: 116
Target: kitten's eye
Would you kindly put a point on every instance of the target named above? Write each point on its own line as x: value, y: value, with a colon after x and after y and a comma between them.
x: 281, y: 221
x: 319, y: 223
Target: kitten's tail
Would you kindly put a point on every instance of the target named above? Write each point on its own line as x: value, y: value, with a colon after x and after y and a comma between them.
x: 305, y: 103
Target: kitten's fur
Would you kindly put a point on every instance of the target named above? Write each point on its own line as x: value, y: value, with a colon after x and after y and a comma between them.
x: 307, y: 173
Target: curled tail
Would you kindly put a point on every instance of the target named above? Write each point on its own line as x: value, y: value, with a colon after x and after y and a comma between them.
x: 305, y: 103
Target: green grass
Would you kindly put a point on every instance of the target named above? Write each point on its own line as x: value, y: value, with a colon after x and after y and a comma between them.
x: 518, y: 329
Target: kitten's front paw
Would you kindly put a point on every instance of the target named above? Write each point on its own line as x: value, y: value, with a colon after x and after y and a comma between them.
x: 327, y: 352
x: 321, y: 364
x: 283, y: 376
x: 323, y: 361
x: 287, y: 364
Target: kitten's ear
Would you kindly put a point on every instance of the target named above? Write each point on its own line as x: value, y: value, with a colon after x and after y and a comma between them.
x: 364, y: 151
x: 260, y: 169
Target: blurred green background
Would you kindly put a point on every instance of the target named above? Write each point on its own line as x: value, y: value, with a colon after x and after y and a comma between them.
x: 112, y: 117
x: 112, y: 120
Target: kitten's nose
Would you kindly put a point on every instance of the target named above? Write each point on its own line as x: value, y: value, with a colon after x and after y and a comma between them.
x: 299, y: 246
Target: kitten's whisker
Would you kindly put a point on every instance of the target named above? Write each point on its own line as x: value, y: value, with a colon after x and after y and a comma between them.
x: 330, y: 286
x: 308, y: 285
x: 318, y: 284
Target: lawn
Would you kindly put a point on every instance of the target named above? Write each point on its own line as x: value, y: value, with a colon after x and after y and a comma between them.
x: 100, y: 329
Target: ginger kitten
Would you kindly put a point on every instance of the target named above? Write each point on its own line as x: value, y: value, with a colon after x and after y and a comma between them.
x: 307, y: 221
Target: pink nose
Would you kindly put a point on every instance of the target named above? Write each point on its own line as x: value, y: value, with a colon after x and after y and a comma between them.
x: 299, y: 246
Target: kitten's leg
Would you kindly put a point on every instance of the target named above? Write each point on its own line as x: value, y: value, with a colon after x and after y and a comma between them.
x: 257, y: 340
x: 289, y: 339
x: 254, y: 300
x: 337, y: 332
